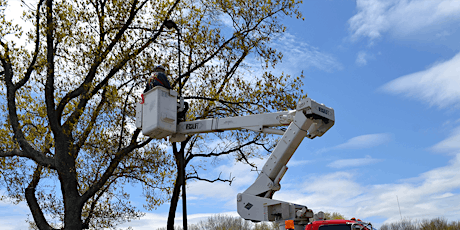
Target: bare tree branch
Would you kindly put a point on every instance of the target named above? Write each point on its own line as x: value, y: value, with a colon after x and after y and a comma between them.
x: 27, y: 149
x: 230, y: 73
x: 37, y: 212
x: 90, y: 125
x: 92, y: 72
x: 242, y: 34
x: 220, y: 100
x: 93, y: 205
x: 237, y: 149
x: 123, y: 118
x: 84, y: 99
x: 197, y: 177
x: 37, y: 45
x: 212, y: 181
x: 49, y: 85
x: 40, y: 158
x: 206, y: 60
x: 242, y: 157
x: 119, y: 156
x: 82, y: 90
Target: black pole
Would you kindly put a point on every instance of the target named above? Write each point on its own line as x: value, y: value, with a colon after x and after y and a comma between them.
x: 178, y: 45
x: 184, y: 199
x: 170, y: 24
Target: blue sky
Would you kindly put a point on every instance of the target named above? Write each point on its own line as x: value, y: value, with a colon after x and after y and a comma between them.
x: 391, y: 71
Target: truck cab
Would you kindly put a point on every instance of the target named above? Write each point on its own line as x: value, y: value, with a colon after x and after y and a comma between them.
x: 338, y: 225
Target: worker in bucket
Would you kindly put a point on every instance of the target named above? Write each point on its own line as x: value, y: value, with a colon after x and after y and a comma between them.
x: 158, y: 78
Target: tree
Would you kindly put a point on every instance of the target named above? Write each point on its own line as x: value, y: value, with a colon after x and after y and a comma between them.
x: 68, y: 145
x: 334, y: 216
x: 226, y: 222
x: 437, y: 223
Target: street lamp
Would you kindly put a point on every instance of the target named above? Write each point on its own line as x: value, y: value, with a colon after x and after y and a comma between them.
x: 171, y: 24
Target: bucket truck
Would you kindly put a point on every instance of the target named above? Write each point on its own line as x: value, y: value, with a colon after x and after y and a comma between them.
x: 157, y: 117
x: 353, y: 224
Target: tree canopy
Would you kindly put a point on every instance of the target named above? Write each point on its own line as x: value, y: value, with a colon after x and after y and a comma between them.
x: 70, y: 84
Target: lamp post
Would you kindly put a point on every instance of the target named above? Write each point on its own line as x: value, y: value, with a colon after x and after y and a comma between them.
x: 171, y: 24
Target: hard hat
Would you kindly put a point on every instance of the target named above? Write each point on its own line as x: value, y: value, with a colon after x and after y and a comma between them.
x: 160, y: 67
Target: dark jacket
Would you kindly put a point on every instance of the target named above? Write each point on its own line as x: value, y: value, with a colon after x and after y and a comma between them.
x: 157, y: 79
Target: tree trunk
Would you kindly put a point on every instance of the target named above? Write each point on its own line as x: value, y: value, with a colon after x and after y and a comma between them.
x: 72, y: 218
x: 72, y: 206
x: 174, y: 202
x: 69, y: 188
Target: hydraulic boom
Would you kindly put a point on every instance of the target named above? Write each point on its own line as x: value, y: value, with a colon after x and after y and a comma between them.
x: 310, y: 120
x: 157, y: 119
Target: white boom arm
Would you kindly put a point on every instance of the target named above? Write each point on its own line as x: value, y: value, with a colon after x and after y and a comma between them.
x: 157, y: 119
x: 311, y: 120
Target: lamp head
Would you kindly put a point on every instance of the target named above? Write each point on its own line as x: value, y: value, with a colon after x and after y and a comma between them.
x: 170, y: 24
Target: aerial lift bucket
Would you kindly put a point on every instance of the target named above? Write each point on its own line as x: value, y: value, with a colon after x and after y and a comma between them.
x: 157, y: 115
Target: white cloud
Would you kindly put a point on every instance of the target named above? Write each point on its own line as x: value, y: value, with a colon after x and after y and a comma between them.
x: 297, y: 56
x: 451, y: 144
x: 207, y: 194
x: 445, y: 195
x: 222, y: 191
x: 402, y: 17
x: 301, y: 55
x: 153, y: 221
x: 431, y: 194
x: 217, y: 190
x: 361, y: 59
x: 360, y: 142
x: 365, y: 141
x: 226, y: 20
x: 443, y: 33
x: 150, y: 221
x: 13, y: 216
x: 415, y: 198
x: 293, y: 163
x: 329, y: 192
x: 348, y: 163
x: 12, y: 13
x: 438, y: 85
